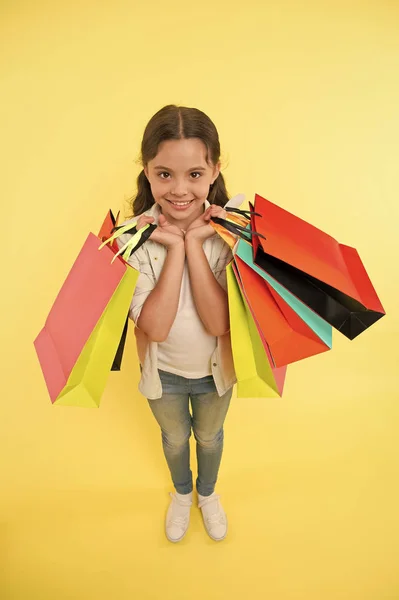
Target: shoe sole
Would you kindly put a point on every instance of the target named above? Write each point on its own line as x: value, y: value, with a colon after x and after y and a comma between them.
x: 178, y: 540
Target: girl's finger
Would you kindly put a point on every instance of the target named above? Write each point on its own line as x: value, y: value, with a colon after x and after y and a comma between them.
x: 218, y: 211
x: 145, y: 220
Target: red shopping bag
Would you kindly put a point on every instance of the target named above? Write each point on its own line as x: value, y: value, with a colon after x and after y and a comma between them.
x: 110, y: 222
x: 327, y: 276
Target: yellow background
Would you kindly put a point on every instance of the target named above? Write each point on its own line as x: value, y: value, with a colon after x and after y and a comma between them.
x: 305, y: 96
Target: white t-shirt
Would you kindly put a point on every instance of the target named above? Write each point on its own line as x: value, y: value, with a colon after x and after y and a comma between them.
x: 188, y: 349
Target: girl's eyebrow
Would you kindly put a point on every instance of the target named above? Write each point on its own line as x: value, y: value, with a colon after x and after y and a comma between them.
x: 171, y: 170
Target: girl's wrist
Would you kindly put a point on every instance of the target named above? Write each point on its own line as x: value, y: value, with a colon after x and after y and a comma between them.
x: 176, y: 245
x: 193, y: 234
x: 192, y: 240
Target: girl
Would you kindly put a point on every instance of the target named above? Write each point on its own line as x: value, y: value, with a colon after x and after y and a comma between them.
x: 180, y: 306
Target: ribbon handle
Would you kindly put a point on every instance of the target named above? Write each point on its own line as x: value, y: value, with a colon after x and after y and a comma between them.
x: 120, y: 231
x: 245, y: 233
x: 242, y: 212
x: 127, y: 248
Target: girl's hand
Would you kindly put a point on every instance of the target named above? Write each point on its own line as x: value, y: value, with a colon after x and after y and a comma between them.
x: 217, y: 211
x: 166, y: 234
x: 168, y: 227
x: 200, y: 229
x: 143, y: 220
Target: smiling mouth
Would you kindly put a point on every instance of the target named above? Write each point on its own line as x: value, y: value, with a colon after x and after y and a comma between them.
x: 180, y: 203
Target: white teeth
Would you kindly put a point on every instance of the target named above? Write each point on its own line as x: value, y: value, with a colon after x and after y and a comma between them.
x: 181, y: 203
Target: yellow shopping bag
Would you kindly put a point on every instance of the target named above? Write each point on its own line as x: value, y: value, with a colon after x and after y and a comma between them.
x: 78, y: 343
x: 256, y: 375
x: 88, y: 378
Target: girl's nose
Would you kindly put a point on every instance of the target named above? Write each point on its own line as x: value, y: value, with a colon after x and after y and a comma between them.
x: 179, y: 189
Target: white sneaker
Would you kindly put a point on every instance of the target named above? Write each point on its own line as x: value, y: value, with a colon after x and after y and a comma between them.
x: 215, y: 519
x: 178, y: 516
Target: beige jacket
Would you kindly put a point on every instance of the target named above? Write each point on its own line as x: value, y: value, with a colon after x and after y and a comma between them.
x: 149, y: 260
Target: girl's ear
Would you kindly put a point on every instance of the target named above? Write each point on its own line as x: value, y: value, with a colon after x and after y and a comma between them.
x: 216, y: 172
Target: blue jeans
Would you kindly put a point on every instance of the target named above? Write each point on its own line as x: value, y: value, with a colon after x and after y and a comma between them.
x: 172, y: 412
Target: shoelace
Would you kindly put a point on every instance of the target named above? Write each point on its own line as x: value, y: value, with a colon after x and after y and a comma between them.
x: 179, y: 521
x: 216, y: 518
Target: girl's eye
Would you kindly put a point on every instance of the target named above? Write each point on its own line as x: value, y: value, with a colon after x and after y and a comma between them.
x: 194, y: 174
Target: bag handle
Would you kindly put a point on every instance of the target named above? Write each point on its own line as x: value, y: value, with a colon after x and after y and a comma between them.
x: 242, y: 212
x: 137, y: 239
x: 243, y: 232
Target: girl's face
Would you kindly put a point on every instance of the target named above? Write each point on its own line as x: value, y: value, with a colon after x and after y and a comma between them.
x: 180, y: 178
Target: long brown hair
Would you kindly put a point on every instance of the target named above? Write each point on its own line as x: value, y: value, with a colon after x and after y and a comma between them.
x: 175, y: 123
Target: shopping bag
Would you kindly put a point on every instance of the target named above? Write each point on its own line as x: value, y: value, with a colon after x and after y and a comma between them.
x: 80, y: 338
x: 327, y: 276
x: 256, y: 375
x: 292, y: 330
